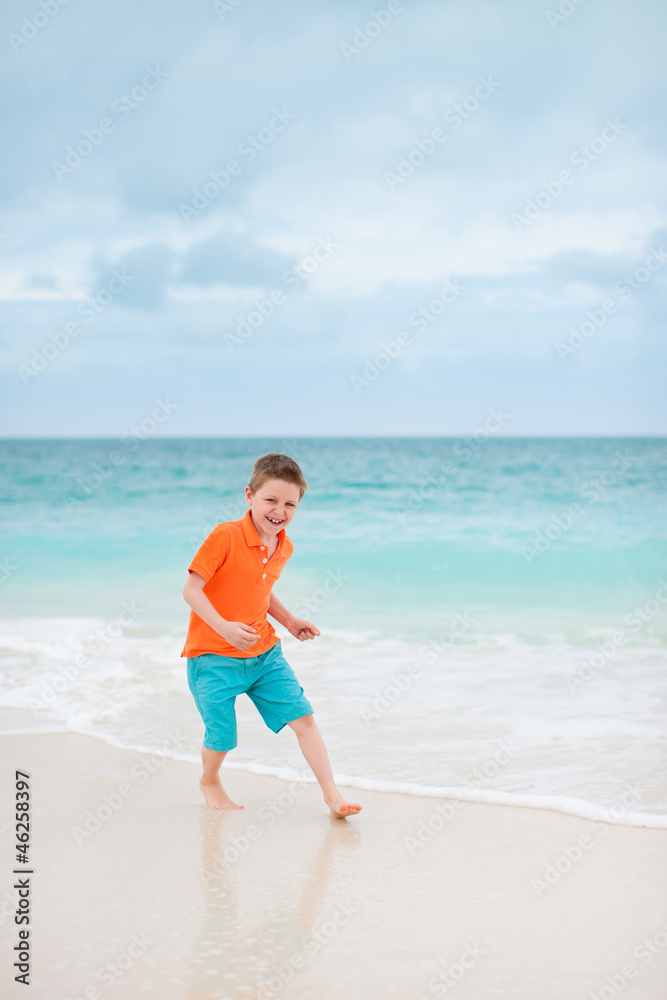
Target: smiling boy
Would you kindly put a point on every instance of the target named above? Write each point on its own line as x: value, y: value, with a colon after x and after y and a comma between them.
x: 232, y: 648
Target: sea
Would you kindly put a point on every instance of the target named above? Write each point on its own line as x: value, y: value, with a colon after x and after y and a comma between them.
x: 493, y: 610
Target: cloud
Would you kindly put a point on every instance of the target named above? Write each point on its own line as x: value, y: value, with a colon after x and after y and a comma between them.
x: 314, y: 136
x: 231, y: 259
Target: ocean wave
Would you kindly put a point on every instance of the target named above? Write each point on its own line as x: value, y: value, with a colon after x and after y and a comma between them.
x: 583, y: 727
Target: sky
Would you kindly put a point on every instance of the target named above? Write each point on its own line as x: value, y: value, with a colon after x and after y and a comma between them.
x: 323, y: 217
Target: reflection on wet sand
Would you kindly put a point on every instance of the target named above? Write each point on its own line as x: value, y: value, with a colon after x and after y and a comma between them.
x: 244, y: 950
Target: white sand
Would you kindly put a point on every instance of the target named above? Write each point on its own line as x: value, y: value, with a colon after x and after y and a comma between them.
x: 166, y: 899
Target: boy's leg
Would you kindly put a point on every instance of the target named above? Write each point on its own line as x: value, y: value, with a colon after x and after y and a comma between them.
x: 280, y: 700
x: 214, y: 682
x: 210, y: 784
x: 313, y: 749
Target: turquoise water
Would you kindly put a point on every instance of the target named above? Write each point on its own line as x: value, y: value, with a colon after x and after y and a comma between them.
x: 413, y: 539
x: 542, y: 548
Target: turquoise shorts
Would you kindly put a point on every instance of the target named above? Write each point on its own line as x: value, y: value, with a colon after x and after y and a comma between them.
x: 267, y: 679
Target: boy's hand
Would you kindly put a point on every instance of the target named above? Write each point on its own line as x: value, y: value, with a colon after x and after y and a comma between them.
x: 239, y: 635
x: 301, y: 629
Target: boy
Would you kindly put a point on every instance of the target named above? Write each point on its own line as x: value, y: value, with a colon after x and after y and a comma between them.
x: 232, y: 575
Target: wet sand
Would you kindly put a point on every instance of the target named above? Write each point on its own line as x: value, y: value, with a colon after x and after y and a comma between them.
x: 139, y: 891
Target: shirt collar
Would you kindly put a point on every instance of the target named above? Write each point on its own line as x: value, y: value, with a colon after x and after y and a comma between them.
x: 250, y: 531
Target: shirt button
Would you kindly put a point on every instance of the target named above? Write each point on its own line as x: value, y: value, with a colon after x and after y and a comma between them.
x: 262, y: 547
x: 265, y: 560
x: 263, y: 575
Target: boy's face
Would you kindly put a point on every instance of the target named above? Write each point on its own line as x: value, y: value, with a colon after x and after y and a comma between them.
x: 273, y: 505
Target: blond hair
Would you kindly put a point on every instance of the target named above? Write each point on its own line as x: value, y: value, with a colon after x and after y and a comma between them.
x: 276, y: 466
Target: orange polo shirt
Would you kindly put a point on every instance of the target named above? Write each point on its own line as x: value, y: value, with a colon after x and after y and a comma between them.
x: 239, y: 576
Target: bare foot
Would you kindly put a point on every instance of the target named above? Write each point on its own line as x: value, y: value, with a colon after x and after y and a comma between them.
x: 340, y: 808
x: 215, y: 795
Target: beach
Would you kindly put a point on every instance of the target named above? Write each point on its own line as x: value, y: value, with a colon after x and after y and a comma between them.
x: 473, y: 639
x: 138, y: 890
x: 334, y: 445
x: 489, y: 682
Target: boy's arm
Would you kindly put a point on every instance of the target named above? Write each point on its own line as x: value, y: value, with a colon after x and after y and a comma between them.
x: 298, y: 627
x: 278, y: 611
x: 237, y: 634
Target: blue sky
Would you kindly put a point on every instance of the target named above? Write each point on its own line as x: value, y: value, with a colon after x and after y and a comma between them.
x: 369, y: 160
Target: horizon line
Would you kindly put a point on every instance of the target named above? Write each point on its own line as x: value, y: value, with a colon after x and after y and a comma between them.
x: 340, y: 437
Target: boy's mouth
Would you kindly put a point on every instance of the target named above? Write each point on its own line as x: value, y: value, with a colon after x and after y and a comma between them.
x: 273, y: 521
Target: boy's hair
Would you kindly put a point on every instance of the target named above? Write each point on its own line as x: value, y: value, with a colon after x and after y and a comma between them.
x: 276, y: 466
